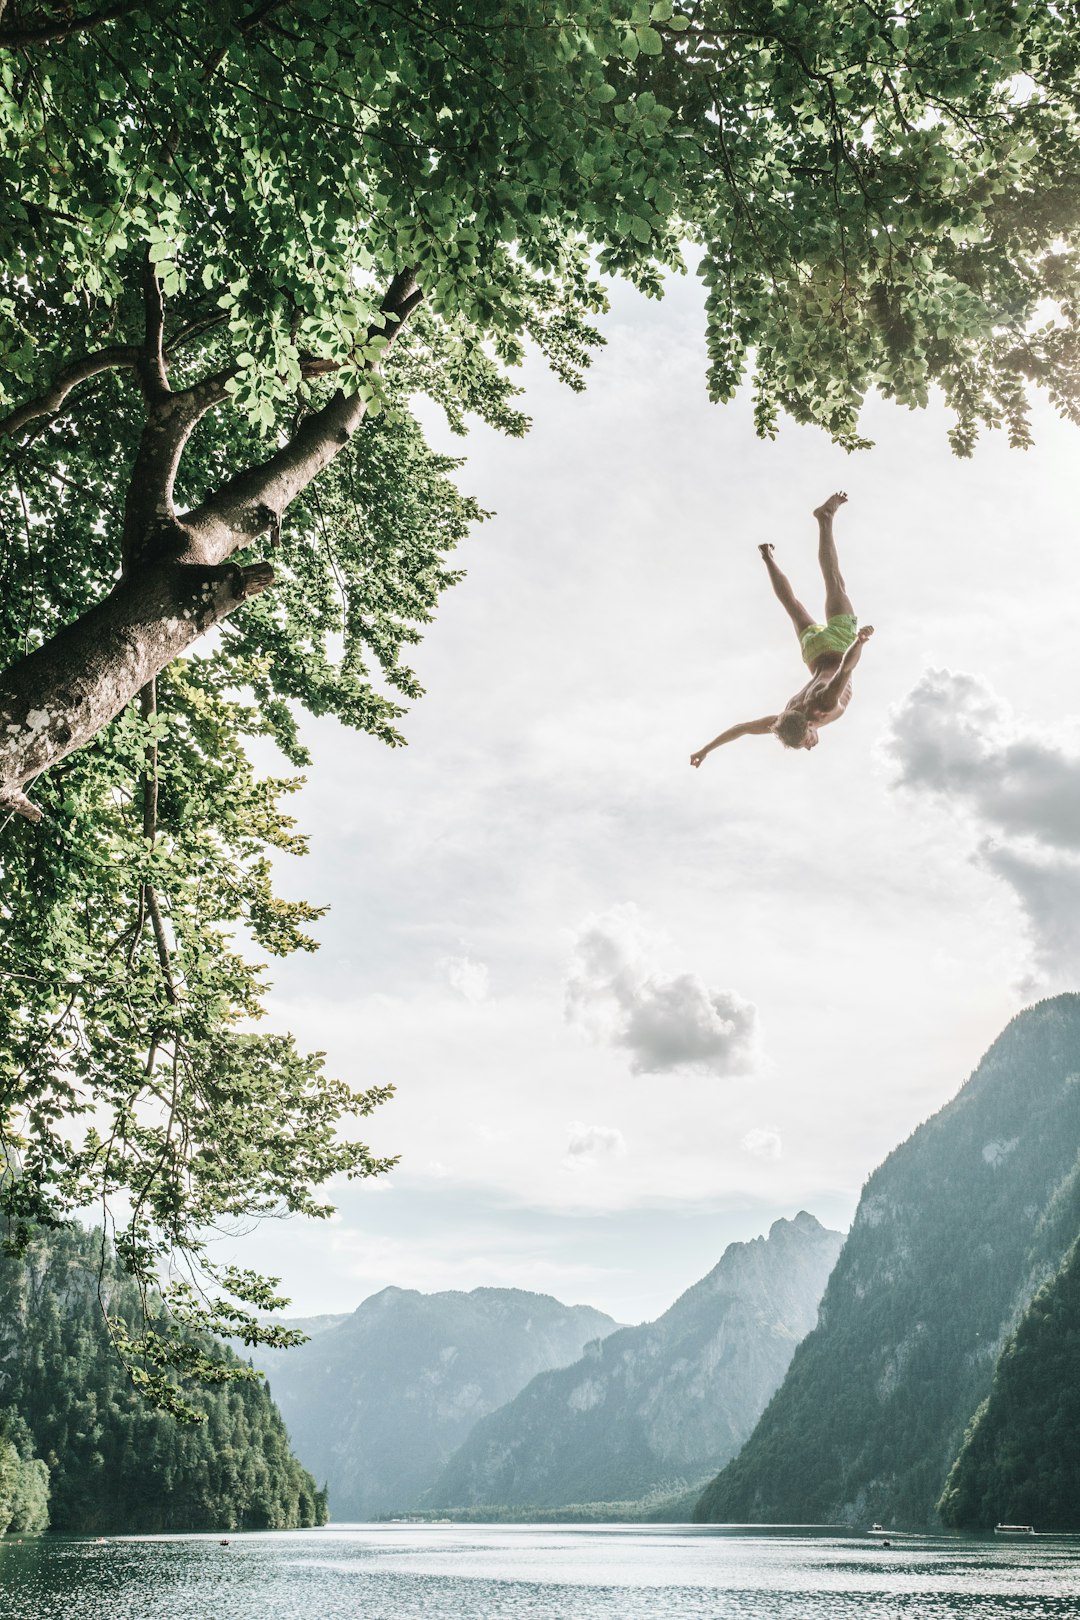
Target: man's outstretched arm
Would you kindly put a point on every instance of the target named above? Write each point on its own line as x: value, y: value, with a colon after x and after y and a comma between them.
x: 749, y: 728
x: 831, y: 693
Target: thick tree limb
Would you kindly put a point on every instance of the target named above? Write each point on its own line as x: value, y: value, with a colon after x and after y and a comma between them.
x: 149, y: 517
x: 249, y: 503
x: 59, y: 696
x: 177, y: 581
x: 118, y: 356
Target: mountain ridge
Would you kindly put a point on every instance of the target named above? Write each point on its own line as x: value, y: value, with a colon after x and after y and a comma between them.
x: 376, y: 1404
x: 954, y: 1233
x: 650, y: 1410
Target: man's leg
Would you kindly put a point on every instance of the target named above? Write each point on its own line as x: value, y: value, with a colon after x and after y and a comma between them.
x: 800, y: 618
x: 837, y: 599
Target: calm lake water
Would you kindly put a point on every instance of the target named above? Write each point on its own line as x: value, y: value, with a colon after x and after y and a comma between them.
x: 528, y: 1572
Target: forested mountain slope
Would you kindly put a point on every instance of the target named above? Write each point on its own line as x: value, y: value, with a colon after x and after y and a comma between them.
x: 1020, y: 1464
x: 24, y: 1479
x: 953, y: 1235
x: 376, y: 1405
x: 114, y: 1463
x: 654, y: 1409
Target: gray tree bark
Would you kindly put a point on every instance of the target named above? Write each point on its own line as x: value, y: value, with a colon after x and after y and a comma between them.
x: 176, y: 580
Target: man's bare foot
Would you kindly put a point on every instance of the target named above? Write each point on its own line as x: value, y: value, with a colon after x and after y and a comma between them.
x: 864, y: 633
x: 828, y: 509
x: 766, y: 549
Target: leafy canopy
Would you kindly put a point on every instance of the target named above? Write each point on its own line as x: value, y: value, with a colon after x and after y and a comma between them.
x: 885, y: 196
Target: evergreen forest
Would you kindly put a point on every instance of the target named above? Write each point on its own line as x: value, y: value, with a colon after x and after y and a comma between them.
x: 75, y: 1431
x: 1020, y: 1463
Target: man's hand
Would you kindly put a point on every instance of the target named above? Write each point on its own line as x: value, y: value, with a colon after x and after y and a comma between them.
x: 696, y: 759
x: 865, y: 633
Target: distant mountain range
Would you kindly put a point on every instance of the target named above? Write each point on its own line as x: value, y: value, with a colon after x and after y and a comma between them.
x: 378, y: 1402
x: 954, y: 1235
x: 653, y: 1410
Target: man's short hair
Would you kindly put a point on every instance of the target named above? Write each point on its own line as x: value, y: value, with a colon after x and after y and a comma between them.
x: 791, y: 728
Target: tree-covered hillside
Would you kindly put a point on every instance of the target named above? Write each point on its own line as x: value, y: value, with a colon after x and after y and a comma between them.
x: 954, y: 1234
x: 1020, y: 1462
x: 114, y: 1463
x: 24, y: 1478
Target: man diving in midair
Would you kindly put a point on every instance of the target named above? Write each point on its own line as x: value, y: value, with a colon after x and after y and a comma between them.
x: 830, y: 650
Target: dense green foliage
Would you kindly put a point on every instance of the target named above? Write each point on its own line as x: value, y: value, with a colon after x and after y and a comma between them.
x: 233, y: 235
x: 189, y: 1113
x: 114, y: 1462
x: 1020, y: 1462
x: 953, y: 1235
x: 24, y: 1478
x: 881, y: 205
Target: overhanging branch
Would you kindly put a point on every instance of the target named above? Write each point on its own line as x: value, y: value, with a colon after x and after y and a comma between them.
x: 51, y: 32
x: 176, y: 581
x: 251, y: 502
x: 117, y: 357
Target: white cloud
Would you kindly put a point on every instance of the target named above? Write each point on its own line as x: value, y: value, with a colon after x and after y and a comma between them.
x: 666, y: 1023
x: 1048, y: 889
x: 952, y: 737
x: 589, y: 1145
x: 468, y: 978
x: 762, y: 1144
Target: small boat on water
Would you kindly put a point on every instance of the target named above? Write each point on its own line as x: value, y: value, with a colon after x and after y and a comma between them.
x: 1014, y: 1530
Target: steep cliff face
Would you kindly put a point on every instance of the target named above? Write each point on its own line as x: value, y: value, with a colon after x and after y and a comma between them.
x: 954, y: 1233
x: 653, y: 1409
x: 376, y: 1404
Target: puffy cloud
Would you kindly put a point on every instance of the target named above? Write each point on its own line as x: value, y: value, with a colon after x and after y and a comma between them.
x: 954, y: 738
x: 615, y: 991
x: 589, y: 1145
x: 762, y: 1144
x: 1048, y: 889
x: 468, y: 978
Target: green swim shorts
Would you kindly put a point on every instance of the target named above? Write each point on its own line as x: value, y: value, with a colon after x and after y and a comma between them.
x: 834, y: 637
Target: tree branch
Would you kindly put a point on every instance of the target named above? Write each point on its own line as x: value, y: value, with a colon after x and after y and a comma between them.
x: 152, y: 374
x: 148, y: 899
x: 18, y: 35
x: 60, y: 695
x: 252, y: 501
x: 171, y: 418
x: 195, y: 329
x: 117, y: 357
x: 176, y: 582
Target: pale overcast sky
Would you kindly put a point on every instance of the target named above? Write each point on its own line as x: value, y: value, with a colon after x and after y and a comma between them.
x: 635, y: 1011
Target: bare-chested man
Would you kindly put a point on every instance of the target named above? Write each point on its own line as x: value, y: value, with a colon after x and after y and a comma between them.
x: 830, y: 650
